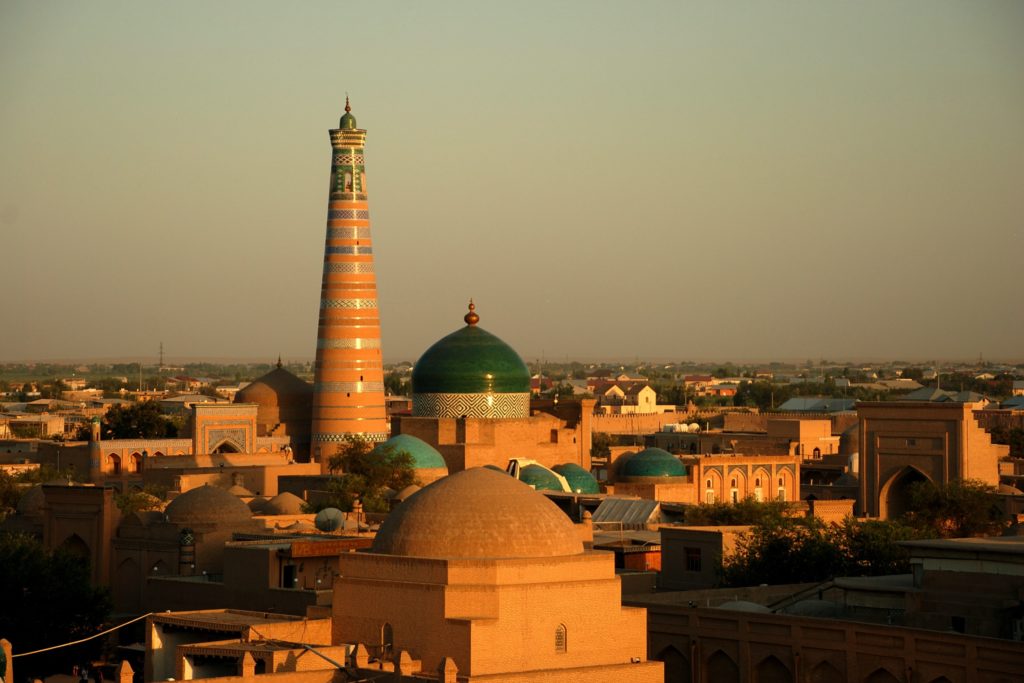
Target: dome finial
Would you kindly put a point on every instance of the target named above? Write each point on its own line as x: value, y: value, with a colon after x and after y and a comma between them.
x: 472, y: 318
x: 279, y: 361
x: 347, y: 107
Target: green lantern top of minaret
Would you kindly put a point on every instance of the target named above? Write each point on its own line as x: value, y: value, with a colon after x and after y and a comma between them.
x: 348, y: 122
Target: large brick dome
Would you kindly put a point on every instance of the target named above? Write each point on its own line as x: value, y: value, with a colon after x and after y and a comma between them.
x: 277, y: 389
x: 476, y: 514
x: 207, y: 505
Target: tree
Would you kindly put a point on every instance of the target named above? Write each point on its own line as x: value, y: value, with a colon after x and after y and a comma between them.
x: 48, y: 599
x: 961, y: 508
x: 748, y: 511
x: 600, y: 445
x: 366, y: 471
x: 141, y: 420
x: 806, y: 550
x: 149, y: 498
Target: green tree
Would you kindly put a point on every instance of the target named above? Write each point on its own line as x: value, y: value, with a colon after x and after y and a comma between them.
x: 141, y: 420
x: 149, y: 498
x: 366, y: 471
x: 48, y: 599
x: 785, y: 554
x: 600, y: 445
x: 748, y: 511
x: 807, y: 550
x: 961, y: 508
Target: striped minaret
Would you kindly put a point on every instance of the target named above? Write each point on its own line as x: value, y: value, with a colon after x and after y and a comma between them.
x: 348, y: 391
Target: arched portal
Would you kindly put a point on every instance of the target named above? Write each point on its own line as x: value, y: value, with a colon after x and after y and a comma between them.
x: 881, y: 675
x: 227, y: 446
x: 76, y: 546
x: 677, y: 665
x: 772, y: 670
x: 721, y: 669
x: 826, y: 672
x: 895, y: 496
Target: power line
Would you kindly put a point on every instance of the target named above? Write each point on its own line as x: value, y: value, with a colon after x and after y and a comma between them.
x: 76, y: 642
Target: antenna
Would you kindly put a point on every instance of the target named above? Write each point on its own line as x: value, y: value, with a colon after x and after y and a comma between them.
x: 161, y: 357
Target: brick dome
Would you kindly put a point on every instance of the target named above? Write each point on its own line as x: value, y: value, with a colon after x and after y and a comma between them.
x: 477, y: 514
x: 207, y: 505
x: 277, y: 388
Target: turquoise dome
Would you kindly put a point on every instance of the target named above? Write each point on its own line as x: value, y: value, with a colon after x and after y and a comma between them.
x: 580, y: 481
x: 539, y: 478
x: 470, y: 361
x: 654, y: 462
x: 424, y: 456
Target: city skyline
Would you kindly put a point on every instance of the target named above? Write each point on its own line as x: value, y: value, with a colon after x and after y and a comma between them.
x: 682, y: 182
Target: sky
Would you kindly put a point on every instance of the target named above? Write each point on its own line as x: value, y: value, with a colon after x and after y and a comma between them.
x: 608, y: 180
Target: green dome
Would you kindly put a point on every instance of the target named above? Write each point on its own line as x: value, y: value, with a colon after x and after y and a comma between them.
x: 579, y: 479
x: 539, y: 478
x: 654, y: 462
x: 348, y: 122
x: 424, y: 456
x: 470, y: 361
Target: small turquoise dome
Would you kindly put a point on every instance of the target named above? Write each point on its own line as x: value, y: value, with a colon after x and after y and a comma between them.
x: 539, y: 478
x: 424, y: 456
x: 654, y: 462
x: 580, y: 481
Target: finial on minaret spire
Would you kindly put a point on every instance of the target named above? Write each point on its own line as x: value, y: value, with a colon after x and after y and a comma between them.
x: 472, y: 318
x: 279, y: 360
x: 347, y: 107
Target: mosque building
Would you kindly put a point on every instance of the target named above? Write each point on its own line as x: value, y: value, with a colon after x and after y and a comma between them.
x: 471, y: 402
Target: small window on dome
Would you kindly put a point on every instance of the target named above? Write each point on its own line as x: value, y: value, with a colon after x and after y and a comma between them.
x: 561, y: 639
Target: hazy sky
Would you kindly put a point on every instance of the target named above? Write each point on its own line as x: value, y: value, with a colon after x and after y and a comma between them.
x: 663, y: 180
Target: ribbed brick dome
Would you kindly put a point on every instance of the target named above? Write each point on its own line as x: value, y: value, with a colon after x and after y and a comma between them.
x: 477, y: 514
x: 207, y: 505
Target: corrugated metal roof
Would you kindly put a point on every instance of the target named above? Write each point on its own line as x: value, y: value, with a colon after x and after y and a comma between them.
x: 627, y: 512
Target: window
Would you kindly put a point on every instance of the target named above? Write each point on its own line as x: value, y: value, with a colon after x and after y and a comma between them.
x: 817, y: 453
x: 911, y: 442
x: 561, y: 639
x: 709, y: 497
x: 692, y: 559
x: 387, y: 640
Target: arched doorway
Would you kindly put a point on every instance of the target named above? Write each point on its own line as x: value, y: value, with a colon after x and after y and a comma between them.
x: 895, y: 496
x: 226, y: 446
x: 881, y: 675
x: 826, y: 672
x: 721, y: 669
x: 772, y: 670
x: 677, y: 665
x: 76, y: 546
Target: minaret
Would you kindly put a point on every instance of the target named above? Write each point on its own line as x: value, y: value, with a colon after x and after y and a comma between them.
x: 348, y: 390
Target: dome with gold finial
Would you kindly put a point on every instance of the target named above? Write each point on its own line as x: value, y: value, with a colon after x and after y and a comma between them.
x: 348, y: 121
x: 471, y: 373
